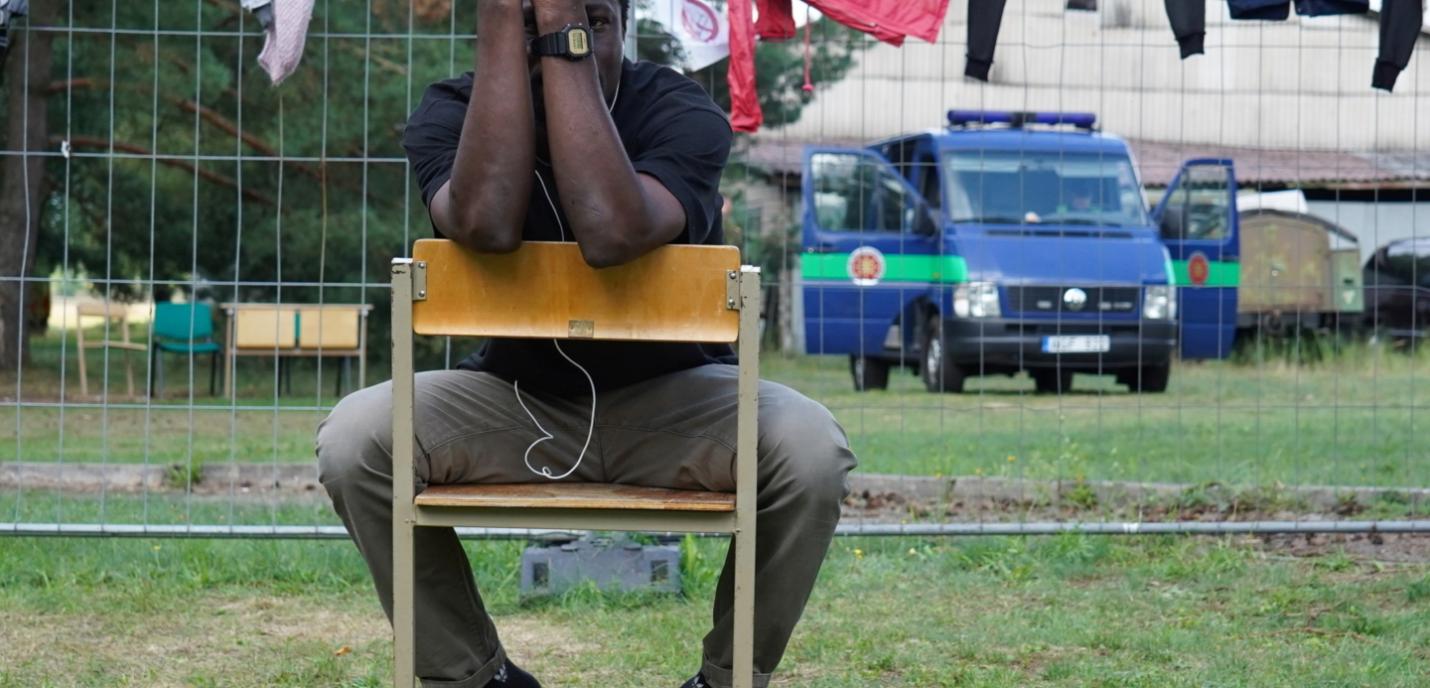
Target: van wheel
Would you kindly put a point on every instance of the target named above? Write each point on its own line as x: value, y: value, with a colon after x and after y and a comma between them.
x: 939, y: 374
x: 1150, y: 379
x: 1052, y: 380
x: 868, y: 373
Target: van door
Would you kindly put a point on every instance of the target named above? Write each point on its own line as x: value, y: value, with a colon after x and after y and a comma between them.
x: 1198, y: 223
x: 870, y: 246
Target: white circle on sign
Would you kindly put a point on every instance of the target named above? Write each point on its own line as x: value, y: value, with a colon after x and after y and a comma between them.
x: 866, y: 266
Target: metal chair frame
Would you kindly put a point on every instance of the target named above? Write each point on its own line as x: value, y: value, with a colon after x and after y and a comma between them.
x: 409, y: 286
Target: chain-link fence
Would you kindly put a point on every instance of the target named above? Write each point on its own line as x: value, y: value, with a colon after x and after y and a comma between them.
x: 1027, y: 320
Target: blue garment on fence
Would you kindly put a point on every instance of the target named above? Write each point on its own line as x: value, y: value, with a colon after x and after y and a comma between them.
x: 1278, y: 10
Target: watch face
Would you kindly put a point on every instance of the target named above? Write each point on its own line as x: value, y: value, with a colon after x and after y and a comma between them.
x: 578, y: 42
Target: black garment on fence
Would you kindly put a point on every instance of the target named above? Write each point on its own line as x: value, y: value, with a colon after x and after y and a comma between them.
x: 984, y: 19
x: 1400, y: 23
x: 1279, y: 10
x: 1189, y: 25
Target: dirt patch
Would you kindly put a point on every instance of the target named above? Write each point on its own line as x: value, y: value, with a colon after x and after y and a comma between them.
x: 234, y: 640
x: 218, y: 636
x: 1394, y: 548
x: 888, y: 506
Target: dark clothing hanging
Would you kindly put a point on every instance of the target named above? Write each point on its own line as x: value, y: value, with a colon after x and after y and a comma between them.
x: 1400, y: 23
x: 984, y: 19
x: 1279, y: 10
x: 1189, y: 25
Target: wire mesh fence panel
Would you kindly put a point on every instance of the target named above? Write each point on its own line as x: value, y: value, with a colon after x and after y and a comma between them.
x: 1064, y: 279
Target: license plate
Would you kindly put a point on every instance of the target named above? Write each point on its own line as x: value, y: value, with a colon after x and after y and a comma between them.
x: 1078, y: 344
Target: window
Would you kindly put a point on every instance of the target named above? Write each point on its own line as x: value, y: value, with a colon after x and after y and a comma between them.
x: 1199, y: 207
x: 858, y: 193
x: 1043, y: 187
x: 928, y: 181
x: 1409, y: 261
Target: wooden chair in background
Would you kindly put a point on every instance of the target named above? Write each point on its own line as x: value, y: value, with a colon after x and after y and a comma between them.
x: 546, y: 290
x: 116, y: 316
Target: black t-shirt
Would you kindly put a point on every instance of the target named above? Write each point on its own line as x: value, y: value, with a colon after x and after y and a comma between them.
x: 671, y: 131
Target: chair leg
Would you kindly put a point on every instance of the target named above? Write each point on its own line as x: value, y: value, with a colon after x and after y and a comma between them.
x: 213, y: 374
x: 340, y: 378
x: 404, y: 625
x: 129, y: 373
x: 159, y: 372
x: 744, y: 630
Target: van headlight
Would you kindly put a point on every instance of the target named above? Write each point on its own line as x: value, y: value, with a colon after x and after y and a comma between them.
x: 976, y: 300
x: 1159, y: 302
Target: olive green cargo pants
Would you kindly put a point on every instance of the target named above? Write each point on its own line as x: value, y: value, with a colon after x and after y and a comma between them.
x: 674, y: 431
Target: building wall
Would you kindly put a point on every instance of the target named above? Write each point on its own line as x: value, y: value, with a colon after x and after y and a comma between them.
x: 1303, y: 83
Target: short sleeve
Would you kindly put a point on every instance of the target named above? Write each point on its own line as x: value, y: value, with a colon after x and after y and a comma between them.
x: 686, y: 152
x: 431, y: 137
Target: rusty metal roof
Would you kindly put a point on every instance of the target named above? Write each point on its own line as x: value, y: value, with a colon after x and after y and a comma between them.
x: 1158, y: 163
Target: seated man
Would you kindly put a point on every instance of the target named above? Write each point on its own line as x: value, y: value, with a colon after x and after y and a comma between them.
x: 554, y: 137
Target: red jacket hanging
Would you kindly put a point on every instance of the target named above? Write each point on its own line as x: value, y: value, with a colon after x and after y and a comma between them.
x: 745, y: 114
x: 890, y: 21
x: 776, y: 22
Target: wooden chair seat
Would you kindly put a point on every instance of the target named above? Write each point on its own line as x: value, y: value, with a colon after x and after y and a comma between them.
x: 575, y: 496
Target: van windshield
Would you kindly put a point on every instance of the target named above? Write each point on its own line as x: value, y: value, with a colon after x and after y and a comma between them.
x: 1043, y: 187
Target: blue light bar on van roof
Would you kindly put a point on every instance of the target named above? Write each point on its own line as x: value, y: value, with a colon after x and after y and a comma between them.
x: 963, y: 118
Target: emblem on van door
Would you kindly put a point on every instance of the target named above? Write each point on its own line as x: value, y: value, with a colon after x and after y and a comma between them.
x: 1199, y: 269
x: 866, y: 266
x: 1075, y: 299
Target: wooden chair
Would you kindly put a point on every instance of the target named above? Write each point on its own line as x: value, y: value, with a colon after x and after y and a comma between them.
x: 116, y: 315
x: 546, y: 290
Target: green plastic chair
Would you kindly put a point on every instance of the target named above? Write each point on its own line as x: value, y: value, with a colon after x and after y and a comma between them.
x: 186, y: 329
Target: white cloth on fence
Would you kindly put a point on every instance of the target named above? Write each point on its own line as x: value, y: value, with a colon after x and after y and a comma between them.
x: 283, y: 49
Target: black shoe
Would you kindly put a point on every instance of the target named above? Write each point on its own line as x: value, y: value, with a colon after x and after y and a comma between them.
x: 696, y: 681
x: 511, y: 676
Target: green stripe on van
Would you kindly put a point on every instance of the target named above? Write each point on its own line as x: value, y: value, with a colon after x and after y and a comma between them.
x: 899, y: 268
x: 1220, y: 274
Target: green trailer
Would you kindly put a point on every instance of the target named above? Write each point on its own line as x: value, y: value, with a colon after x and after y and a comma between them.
x: 1298, y: 271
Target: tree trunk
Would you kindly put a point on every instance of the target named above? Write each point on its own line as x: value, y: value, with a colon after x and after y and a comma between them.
x: 22, y: 177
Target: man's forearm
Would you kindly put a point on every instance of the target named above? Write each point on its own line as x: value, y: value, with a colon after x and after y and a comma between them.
x: 604, y: 199
x: 491, y: 178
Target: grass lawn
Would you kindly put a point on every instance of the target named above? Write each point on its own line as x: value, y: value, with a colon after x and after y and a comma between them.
x: 1064, y: 611
x: 1356, y: 419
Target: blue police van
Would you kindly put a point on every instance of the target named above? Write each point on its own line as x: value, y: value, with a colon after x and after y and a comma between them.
x: 1008, y: 242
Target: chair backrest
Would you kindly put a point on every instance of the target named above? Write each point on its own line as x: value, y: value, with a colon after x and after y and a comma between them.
x: 103, y: 309
x: 328, y: 327
x: 266, y: 327
x: 183, y: 321
x: 546, y: 290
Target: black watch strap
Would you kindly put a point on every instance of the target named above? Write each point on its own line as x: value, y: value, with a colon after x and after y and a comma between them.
x: 572, y: 42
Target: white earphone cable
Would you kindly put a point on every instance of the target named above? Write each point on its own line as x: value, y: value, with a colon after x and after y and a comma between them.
x: 546, y: 471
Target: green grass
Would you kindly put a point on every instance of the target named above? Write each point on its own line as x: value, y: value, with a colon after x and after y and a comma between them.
x: 167, y: 509
x: 1355, y: 418
x: 1063, y: 611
